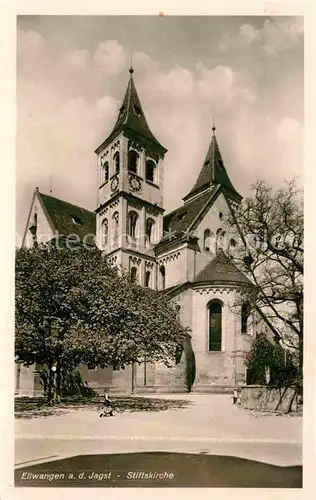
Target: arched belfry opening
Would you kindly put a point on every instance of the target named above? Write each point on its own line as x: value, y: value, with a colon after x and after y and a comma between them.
x: 133, y: 159
x: 116, y: 161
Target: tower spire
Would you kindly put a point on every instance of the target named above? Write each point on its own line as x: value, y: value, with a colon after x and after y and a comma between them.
x: 213, y: 172
x: 131, y: 119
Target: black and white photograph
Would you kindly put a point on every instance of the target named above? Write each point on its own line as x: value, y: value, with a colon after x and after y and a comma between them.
x: 159, y: 252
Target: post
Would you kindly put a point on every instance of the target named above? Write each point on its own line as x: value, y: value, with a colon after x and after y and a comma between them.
x: 133, y: 377
x: 145, y: 372
x: 58, y: 381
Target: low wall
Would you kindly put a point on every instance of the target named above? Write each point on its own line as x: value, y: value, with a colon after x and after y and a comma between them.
x: 264, y: 398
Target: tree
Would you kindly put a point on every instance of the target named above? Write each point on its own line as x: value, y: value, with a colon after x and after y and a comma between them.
x: 266, y: 354
x: 72, y: 308
x: 270, y: 230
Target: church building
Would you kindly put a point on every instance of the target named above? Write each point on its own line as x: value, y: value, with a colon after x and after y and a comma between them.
x: 187, y: 254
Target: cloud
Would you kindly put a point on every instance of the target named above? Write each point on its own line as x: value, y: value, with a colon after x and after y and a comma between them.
x: 224, y: 43
x: 249, y: 33
x: 68, y: 102
x: 274, y: 36
x: 281, y: 34
x: 30, y: 42
x: 76, y: 60
x: 110, y: 57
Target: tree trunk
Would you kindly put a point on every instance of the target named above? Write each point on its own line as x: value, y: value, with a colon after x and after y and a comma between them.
x: 50, y: 386
x: 57, y: 395
x: 300, y: 365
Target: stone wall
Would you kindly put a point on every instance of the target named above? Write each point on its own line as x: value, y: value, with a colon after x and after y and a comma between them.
x: 114, y: 381
x: 258, y: 397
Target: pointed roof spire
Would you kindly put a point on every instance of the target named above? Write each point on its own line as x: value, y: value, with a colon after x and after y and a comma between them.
x: 131, y: 119
x: 213, y: 172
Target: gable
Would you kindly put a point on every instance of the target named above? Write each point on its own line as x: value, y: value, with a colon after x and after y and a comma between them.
x: 183, y: 217
x: 39, y: 217
x: 213, y: 217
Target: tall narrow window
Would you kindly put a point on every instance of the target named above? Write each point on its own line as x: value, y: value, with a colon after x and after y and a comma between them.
x: 245, y: 313
x: 132, y: 224
x: 150, y: 171
x: 232, y: 248
x: 105, y: 171
x: 215, y: 326
x: 207, y: 240
x: 132, y: 161
x: 162, y: 277
x: 105, y: 233
x: 134, y: 274
x: 115, y: 225
x: 147, y: 279
x: 116, y: 161
x: 149, y: 230
x: 220, y: 239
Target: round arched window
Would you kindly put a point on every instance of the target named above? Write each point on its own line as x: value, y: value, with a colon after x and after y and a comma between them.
x: 116, y: 161
x: 132, y: 161
x: 134, y: 274
x: 215, y: 326
x: 149, y: 229
x: 162, y: 271
x: 150, y: 171
x: 105, y: 171
x: 132, y: 224
x: 147, y: 279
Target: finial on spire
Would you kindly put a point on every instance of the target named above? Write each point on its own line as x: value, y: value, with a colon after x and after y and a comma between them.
x: 131, y: 69
x: 213, y: 128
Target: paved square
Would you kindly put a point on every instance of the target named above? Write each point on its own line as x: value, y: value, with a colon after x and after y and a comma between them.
x: 210, y: 424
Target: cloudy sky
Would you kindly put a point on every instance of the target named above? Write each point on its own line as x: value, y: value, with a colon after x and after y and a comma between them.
x: 72, y: 73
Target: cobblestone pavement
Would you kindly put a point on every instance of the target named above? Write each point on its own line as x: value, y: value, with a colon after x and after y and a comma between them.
x: 211, y: 424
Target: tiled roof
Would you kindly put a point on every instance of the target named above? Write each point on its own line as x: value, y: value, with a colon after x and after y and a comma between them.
x: 69, y: 219
x: 131, y: 119
x: 213, y: 172
x: 182, y: 218
x: 221, y: 270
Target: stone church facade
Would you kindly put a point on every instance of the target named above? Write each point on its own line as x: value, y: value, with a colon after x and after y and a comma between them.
x: 186, y: 254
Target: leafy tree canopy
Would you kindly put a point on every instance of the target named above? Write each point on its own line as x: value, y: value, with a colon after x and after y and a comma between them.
x: 72, y: 307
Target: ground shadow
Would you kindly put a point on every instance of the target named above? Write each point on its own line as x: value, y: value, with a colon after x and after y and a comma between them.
x: 143, y: 470
x: 37, y: 407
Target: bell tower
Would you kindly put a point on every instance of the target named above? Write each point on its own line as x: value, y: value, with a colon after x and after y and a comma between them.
x: 130, y: 191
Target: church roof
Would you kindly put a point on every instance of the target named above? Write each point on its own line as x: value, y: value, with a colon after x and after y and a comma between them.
x: 221, y: 270
x: 67, y: 218
x: 213, y: 172
x: 131, y: 119
x: 183, y: 217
